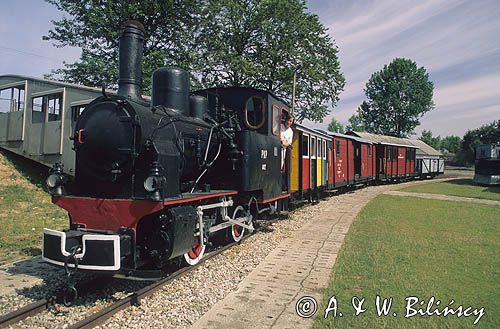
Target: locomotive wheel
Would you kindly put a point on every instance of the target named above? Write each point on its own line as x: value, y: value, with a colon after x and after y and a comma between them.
x: 193, y: 256
x: 237, y: 231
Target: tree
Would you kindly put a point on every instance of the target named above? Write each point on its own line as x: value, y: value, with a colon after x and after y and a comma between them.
x: 95, y: 27
x: 485, y: 134
x: 356, y: 123
x: 255, y: 43
x: 335, y: 126
x: 428, y: 139
x: 398, y: 95
x: 450, y: 144
x: 263, y: 44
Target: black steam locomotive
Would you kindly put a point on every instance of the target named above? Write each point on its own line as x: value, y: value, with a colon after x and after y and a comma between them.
x: 155, y: 178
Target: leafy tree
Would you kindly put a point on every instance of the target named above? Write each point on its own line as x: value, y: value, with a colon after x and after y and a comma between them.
x: 398, y: 95
x: 263, y: 43
x: 486, y: 134
x: 95, y: 26
x: 427, y: 138
x: 356, y: 123
x: 256, y: 43
x: 335, y: 126
x: 450, y: 144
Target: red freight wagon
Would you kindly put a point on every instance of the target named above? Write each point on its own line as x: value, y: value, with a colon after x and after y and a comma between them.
x: 390, y: 161
x: 341, y: 172
x: 395, y: 157
x: 354, y: 160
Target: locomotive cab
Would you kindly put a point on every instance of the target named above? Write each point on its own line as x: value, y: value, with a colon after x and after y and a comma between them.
x: 259, y: 116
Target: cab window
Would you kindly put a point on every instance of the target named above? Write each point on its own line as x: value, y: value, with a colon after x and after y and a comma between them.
x: 254, y: 112
x: 276, y: 120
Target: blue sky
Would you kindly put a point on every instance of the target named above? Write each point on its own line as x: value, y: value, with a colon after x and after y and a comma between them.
x: 456, y: 41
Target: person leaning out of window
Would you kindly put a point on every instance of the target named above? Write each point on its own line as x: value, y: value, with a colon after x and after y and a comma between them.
x: 286, y: 137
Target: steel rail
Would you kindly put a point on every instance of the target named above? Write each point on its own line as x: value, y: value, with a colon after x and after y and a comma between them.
x: 41, y: 305
x: 134, y: 299
x: 26, y: 311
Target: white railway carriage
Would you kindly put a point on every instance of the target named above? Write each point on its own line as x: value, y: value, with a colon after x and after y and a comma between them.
x: 37, y: 117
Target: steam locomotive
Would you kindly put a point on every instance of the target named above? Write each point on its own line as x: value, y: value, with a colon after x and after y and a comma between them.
x: 156, y: 178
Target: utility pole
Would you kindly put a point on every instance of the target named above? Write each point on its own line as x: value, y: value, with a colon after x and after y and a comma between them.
x: 293, y: 90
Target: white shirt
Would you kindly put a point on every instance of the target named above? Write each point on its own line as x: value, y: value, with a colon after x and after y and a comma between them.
x: 286, y: 136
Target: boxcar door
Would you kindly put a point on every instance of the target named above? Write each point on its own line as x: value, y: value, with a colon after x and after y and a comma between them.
x: 319, y: 159
x: 325, y: 165
x: 12, y: 111
x: 357, y: 160
x: 295, y: 162
x: 330, y: 163
x: 306, y: 171
x: 46, y: 122
x: 313, y: 163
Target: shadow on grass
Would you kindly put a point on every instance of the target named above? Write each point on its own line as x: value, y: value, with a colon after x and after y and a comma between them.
x: 494, y: 189
x: 35, y: 172
x: 469, y: 182
x: 462, y: 181
x: 32, y: 251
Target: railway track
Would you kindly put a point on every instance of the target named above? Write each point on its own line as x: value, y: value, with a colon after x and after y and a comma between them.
x: 100, y: 317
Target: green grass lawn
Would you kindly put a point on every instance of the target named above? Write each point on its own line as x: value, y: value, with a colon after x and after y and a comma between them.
x: 458, y: 187
x: 401, y: 246
x: 25, y: 209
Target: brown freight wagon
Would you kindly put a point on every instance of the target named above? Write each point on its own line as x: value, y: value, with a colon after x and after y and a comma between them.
x: 395, y: 159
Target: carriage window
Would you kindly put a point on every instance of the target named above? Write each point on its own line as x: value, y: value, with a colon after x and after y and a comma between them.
x: 76, y: 111
x: 305, y: 146
x: 324, y: 149
x: 337, y: 147
x: 313, y: 146
x: 389, y: 152
x: 395, y: 153
x: 276, y: 120
x: 12, y: 99
x: 254, y: 112
x: 50, y: 103
x: 369, y: 150
x: 38, y: 110
x: 54, y: 103
x: 318, y: 153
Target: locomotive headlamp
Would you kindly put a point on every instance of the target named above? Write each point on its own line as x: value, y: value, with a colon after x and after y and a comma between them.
x: 155, y: 182
x: 56, y: 180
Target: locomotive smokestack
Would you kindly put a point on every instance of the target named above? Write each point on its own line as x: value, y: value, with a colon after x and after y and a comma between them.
x: 130, y: 52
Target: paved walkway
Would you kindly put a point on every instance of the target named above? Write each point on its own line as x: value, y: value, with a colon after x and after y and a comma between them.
x: 300, y: 267
x: 443, y: 197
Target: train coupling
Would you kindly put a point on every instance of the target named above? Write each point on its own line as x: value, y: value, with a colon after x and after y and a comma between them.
x: 75, y: 249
